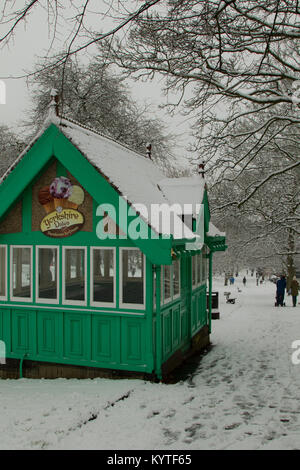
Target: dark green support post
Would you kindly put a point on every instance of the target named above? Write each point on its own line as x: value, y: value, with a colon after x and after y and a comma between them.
x: 210, y: 290
x: 158, y: 323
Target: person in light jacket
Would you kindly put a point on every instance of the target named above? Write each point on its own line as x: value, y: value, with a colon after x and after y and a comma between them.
x: 294, y: 290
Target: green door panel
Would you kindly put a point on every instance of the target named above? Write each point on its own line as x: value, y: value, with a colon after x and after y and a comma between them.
x: 194, y: 313
x: 175, y: 327
x: 75, y: 326
x: 133, y: 341
x: 105, y: 339
x: 22, y: 327
x: 47, y: 337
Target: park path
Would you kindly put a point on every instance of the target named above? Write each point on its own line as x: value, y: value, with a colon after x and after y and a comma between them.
x: 242, y: 394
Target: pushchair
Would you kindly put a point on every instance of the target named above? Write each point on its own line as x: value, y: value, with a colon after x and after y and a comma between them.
x: 279, y: 300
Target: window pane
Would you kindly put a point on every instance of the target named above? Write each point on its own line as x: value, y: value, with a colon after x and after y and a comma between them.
x: 167, y: 283
x: 75, y: 274
x: 199, y: 265
x: 176, y: 277
x: 103, y: 275
x: 47, y: 288
x: 2, y: 271
x: 194, y: 266
x: 21, y: 265
x: 133, y: 276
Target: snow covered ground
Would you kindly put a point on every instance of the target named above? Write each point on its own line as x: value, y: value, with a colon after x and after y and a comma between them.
x: 243, y: 395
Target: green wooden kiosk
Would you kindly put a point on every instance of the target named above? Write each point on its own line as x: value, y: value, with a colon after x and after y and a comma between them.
x: 93, y: 277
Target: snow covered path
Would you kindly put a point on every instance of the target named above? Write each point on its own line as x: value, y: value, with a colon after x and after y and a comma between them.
x: 244, y: 394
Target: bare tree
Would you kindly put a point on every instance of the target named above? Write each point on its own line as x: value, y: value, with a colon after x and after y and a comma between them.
x: 230, y: 60
x: 10, y: 146
x: 239, y: 59
x: 97, y: 98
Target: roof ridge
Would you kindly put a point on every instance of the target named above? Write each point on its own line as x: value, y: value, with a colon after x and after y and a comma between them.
x: 94, y: 131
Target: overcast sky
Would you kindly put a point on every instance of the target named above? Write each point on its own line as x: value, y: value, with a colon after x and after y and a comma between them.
x: 32, y: 41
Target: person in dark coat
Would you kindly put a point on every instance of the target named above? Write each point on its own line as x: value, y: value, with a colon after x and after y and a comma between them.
x: 294, y: 290
x: 244, y: 280
x: 280, y: 290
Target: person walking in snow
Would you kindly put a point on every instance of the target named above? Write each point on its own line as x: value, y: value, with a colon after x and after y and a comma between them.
x: 244, y: 280
x: 280, y: 290
x: 294, y: 290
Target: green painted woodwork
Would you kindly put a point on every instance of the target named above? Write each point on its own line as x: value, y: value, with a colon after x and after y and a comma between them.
x: 117, y: 338
x: 157, y: 326
x: 82, y: 338
x: 54, y: 144
x: 28, y: 167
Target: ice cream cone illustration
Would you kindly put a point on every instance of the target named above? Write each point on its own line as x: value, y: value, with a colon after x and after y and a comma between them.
x: 60, y: 190
x: 46, y: 199
x: 76, y: 197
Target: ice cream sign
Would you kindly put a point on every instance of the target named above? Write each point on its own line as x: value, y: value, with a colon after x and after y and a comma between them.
x: 60, y: 201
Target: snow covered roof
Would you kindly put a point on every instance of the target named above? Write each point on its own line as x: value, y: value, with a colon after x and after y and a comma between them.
x: 186, y: 191
x: 214, y: 232
x: 133, y: 175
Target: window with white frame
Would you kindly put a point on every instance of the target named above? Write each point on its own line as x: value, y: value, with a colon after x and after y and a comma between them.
x: 21, y: 273
x: 194, y: 270
x: 103, y: 276
x: 47, y: 274
x: 74, y: 275
x: 3, y: 276
x: 199, y: 268
x: 167, y: 284
x: 171, y: 282
x: 176, y: 278
x: 132, y: 276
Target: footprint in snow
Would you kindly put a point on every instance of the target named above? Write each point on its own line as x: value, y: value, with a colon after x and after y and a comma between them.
x: 232, y: 426
x: 170, y: 413
x: 171, y: 436
x: 188, y: 400
x: 153, y: 413
x: 192, y: 430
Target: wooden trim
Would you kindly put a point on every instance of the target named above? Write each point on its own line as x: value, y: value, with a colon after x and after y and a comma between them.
x: 95, y: 303
x: 121, y: 303
x: 64, y: 300
x: 37, y: 298
x: 12, y: 297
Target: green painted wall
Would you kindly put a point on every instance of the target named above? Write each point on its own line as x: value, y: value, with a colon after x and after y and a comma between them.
x: 126, y: 339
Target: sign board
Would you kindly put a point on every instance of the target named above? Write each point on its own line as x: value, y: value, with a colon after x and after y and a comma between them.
x: 60, y: 200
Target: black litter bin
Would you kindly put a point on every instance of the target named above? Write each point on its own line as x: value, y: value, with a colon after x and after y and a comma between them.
x: 215, y: 314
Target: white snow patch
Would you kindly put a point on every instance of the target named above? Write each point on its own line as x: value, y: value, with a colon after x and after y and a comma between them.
x: 244, y: 394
